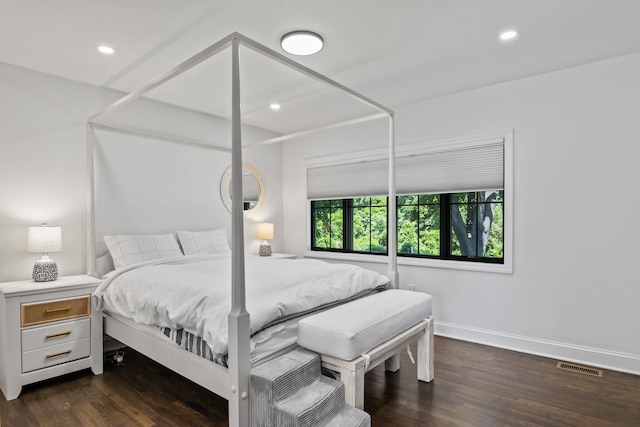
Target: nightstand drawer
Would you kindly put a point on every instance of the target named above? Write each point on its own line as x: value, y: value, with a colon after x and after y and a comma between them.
x: 55, y: 334
x: 51, y: 311
x: 55, y: 354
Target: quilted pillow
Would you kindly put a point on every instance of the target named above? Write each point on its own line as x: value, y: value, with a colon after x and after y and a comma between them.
x: 126, y: 250
x: 204, y: 242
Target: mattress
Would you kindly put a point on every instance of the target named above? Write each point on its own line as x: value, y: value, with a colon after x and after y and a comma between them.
x: 189, y: 297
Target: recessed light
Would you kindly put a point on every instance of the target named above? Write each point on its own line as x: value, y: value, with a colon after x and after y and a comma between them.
x: 301, y: 43
x: 107, y: 50
x: 274, y: 106
x: 508, y: 35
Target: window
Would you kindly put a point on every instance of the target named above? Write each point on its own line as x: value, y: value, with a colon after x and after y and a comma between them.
x: 419, y: 225
x: 350, y: 225
x: 477, y: 225
x: 369, y: 223
x: 328, y: 225
x: 455, y: 203
x: 454, y: 226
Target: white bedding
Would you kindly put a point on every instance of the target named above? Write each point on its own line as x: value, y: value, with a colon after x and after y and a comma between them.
x: 193, y: 292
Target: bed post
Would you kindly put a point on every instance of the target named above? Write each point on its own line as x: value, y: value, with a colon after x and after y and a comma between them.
x: 91, y: 216
x: 393, y: 363
x: 238, y: 320
x: 392, y: 244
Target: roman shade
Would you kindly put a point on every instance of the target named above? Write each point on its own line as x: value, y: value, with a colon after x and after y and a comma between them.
x: 474, y: 166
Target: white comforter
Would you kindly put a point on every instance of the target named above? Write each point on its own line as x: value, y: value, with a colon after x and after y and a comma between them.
x: 193, y: 292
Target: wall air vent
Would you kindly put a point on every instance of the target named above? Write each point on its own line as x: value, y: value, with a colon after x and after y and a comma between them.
x: 580, y: 369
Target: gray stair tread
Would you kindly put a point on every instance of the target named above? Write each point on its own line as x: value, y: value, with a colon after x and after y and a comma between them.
x: 314, y: 394
x: 348, y: 416
x: 290, y: 391
x: 284, y: 364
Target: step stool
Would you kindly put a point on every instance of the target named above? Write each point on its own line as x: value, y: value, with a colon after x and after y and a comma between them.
x: 289, y: 391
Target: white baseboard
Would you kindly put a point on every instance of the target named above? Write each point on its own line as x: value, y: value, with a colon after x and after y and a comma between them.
x: 615, y: 361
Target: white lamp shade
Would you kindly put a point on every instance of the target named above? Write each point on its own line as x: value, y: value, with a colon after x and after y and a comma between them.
x: 44, y: 239
x: 265, y: 231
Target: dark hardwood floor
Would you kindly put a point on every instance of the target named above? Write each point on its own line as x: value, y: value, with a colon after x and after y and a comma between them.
x: 475, y: 385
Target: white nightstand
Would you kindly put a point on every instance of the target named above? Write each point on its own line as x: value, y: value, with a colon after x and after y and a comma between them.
x: 47, y: 329
x: 280, y: 256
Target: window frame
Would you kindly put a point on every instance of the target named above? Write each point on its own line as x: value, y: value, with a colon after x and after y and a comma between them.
x: 445, y: 203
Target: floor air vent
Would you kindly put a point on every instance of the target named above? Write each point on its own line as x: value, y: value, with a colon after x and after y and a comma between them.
x: 580, y: 369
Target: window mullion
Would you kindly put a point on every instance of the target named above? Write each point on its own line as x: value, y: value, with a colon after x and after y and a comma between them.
x: 313, y: 224
x: 331, y: 227
x: 347, y: 224
x: 397, y: 225
x: 418, y: 224
x: 370, y: 226
x: 478, y: 222
x: 314, y: 227
x: 445, y: 226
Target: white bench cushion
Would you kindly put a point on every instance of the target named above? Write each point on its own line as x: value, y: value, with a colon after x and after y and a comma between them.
x: 352, y: 329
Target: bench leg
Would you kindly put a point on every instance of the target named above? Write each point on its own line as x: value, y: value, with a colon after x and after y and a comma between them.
x: 425, y: 354
x: 392, y: 364
x: 353, y: 386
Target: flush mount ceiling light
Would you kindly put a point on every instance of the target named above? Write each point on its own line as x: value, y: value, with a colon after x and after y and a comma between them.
x: 274, y: 106
x: 301, y: 43
x: 107, y: 50
x: 508, y: 35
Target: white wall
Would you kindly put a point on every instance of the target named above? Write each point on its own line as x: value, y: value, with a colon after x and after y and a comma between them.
x: 43, y: 164
x: 574, y: 291
x: 149, y: 186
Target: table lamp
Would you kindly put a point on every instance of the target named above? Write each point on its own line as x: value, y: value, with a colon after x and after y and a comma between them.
x: 44, y: 240
x: 265, y: 232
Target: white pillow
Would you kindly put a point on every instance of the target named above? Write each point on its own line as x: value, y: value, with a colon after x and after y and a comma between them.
x: 127, y: 250
x: 204, y: 242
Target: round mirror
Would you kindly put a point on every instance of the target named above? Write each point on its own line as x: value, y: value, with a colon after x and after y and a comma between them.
x: 252, y: 189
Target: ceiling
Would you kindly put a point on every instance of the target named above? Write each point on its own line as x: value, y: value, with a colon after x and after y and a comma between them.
x: 392, y: 52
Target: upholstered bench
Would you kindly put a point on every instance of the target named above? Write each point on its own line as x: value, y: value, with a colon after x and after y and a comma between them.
x: 356, y: 337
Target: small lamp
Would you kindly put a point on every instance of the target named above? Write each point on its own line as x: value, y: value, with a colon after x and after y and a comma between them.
x: 265, y: 232
x: 44, y: 240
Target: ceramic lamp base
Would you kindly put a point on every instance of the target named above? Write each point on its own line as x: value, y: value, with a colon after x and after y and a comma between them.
x: 265, y: 249
x: 45, y: 271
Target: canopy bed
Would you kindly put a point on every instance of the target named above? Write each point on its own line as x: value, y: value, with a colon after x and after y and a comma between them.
x: 231, y: 381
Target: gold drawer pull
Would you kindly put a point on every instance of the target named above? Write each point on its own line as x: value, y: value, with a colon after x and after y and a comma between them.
x: 62, y: 353
x: 55, y: 310
x: 59, y: 334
